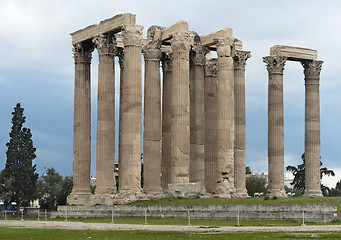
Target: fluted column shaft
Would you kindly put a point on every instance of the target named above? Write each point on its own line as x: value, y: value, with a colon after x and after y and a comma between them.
x: 166, y: 98
x: 225, y: 119
x: 239, y: 114
x: 152, y: 122
x: 211, y: 171
x: 312, y: 153
x: 130, y: 141
x: 81, y: 126
x: 197, y: 114
x: 179, y: 109
x: 275, y: 66
x: 105, y: 144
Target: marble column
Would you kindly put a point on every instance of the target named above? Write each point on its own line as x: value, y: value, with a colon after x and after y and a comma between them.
x: 152, y: 120
x: 239, y: 117
x: 80, y: 194
x: 275, y: 66
x: 312, y: 155
x: 105, y: 144
x: 197, y: 113
x: 130, y: 140
x: 166, y: 98
x: 179, y: 111
x: 225, y: 119
x: 211, y: 125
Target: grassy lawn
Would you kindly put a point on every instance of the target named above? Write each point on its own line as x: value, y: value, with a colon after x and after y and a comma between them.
x: 23, y: 234
x: 212, y: 201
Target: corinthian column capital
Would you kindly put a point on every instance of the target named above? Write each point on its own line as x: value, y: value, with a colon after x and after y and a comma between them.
x: 132, y: 36
x: 211, y: 67
x: 106, y: 45
x: 167, y: 62
x: 312, y: 69
x: 240, y: 59
x: 151, y: 51
x: 275, y: 64
x: 82, y: 54
x: 180, y: 42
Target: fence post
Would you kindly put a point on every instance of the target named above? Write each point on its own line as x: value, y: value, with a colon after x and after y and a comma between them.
x: 5, y: 215
x: 238, y: 217
x: 303, y: 218
x: 112, y: 215
x: 189, y: 218
x: 45, y: 215
x: 145, y: 216
x: 38, y: 215
x: 22, y: 214
x: 66, y: 215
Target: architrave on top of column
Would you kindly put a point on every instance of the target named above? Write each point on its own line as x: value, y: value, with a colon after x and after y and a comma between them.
x: 209, y: 40
x: 113, y: 25
x: 294, y: 53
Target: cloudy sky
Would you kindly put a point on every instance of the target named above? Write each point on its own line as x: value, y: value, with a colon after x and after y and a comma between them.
x: 37, y: 69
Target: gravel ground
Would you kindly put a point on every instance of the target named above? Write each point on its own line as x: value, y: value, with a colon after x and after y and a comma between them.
x: 113, y: 226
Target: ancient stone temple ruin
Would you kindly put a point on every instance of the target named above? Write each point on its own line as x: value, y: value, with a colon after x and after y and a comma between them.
x: 194, y: 113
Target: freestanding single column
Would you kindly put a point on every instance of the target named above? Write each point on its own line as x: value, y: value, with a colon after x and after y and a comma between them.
x: 105, y: 144
x: 166, y: 98
x: 80, y: 194
x: 312, y: 69
x: 211, y: 171
x: 152, y: 121
x: 197, y: 113
x: 179, y: 110
x: 275, y: 65
x: 239, y: 115
x: 225, y: 119
x: 130, y: 141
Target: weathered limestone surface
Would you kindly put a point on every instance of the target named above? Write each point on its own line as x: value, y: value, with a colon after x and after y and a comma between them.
x: 112, y: 25
x: 130, y: 140
x: 225, y: 119
x: 186, y: 189
x: 179, y: 111
x: 211, y: 171
x: 166, y: 120
x: 294, y: 53
x: 152, y: 120
x: 312, y: 71
x: 105, y: 154
x: 239, y: 114
x: 275, y: 65
x: 210, y: 39
x: 80, y: 194
x: 197, y: 113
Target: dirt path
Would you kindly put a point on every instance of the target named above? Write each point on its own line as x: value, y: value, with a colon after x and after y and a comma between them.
x: 110, y: 226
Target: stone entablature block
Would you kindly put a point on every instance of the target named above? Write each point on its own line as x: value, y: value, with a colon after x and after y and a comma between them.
x: 294, y: 53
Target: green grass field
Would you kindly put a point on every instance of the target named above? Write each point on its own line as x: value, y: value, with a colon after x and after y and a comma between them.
x: 37, y: 234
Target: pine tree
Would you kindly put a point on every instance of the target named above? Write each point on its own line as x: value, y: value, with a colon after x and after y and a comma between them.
x: 19, y: 179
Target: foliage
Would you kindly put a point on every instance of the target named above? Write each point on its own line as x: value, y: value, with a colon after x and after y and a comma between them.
x: 298, y: 193
x: 335, y: 192
x: 248, y: 170
x: 299, y: 176
x: 255, y: 184
x: 19, y: 179
x: 53, y: 189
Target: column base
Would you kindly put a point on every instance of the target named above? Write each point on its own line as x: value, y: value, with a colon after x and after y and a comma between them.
x: 102, y: 199
x: 155, y: 193
x: 312, y: 193
x: 126, y: 197
x: 241, y: 193
x: 276, y: 193
x: 82, y: 199
x: 186, y: 189
x: 225, y: 189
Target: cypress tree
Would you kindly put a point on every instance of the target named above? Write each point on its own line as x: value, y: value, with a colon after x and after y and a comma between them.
x: 19, y: 179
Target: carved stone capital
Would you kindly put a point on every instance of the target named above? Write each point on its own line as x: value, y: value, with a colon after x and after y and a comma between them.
x: 120, y: 54
x: 82, y: 54
x: 211, y: 67
x: 224, y: 46
x: 240, y: 58
x: 180, y: 42
x: 132, y: 36
x: 105, y: 45
x: 151, y: 51
x: 275, y: 64
x: 167, y: 62
x: 197, y: 55
x: 312, y: 69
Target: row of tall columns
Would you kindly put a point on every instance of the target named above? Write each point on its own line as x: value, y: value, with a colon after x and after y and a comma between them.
x: 193, y: 101
x: 275, y: 66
